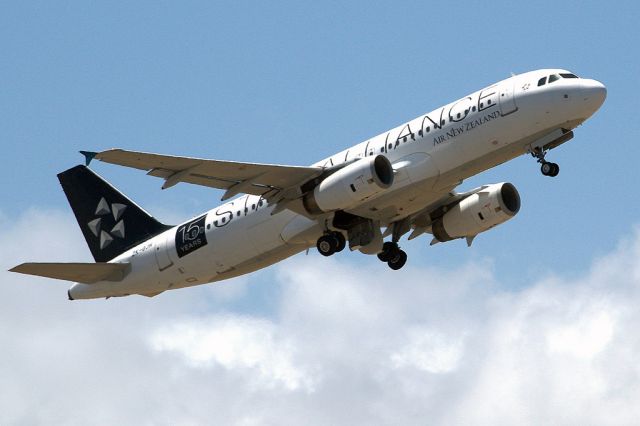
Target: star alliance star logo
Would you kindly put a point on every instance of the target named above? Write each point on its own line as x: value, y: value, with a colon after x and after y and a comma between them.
x: 98, y: 225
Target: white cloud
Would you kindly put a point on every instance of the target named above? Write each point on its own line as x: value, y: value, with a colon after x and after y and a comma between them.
x: 248, y: 345
x: 429, y: 351
x: 344, y: 344
x: 582, y: 337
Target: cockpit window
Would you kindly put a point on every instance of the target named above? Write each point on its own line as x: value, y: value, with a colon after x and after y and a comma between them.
x: 568, y: 75
x: 542, y: 81
x: 553, y: 77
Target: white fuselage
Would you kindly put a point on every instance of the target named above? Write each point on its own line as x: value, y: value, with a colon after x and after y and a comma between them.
x: 431, y: 154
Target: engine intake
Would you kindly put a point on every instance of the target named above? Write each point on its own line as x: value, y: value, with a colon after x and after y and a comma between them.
x: 478, y: 212
x: 350, y: 185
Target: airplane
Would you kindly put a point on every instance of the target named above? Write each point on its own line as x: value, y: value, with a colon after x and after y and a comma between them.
x: 402, y: 181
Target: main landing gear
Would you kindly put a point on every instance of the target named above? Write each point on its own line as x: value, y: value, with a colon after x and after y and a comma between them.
x: 547, y: 168
x: 333, y: 242
x: 393, y: 255
x: 330, y: 243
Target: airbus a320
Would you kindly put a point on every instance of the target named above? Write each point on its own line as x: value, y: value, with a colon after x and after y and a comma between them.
x: 366, y: 197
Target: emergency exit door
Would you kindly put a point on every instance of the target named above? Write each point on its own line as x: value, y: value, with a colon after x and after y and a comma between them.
x: 162, y: 254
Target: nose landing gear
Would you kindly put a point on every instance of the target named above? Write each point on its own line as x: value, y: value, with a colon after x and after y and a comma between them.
x: 547, y: 168
x: 550, y: 169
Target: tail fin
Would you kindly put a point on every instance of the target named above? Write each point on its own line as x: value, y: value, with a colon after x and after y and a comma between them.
x: 110, y: 222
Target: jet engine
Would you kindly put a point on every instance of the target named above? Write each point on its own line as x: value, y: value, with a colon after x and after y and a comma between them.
x: 479, y: 212
x: 350, y: 185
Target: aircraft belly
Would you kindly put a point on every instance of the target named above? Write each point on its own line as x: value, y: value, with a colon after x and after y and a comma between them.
x: 265, y: 234
x: 262, y: 260
x: 301, y: 230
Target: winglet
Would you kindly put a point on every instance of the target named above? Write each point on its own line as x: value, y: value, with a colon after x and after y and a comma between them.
x: 88, y: 156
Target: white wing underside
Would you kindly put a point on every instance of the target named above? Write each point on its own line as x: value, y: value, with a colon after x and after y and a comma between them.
x: 268, y: 180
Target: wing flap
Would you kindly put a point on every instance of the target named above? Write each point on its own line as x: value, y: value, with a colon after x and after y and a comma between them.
x: 86, y: 273
x: 252, y: 178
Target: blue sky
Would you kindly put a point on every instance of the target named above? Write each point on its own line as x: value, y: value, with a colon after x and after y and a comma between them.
x: 297, y: 82
x: 292, y: 83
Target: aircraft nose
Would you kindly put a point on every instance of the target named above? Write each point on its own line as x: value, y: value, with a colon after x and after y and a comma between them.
x: 594, y: 94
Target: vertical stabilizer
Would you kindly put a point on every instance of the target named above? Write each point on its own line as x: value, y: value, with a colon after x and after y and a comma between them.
x: 110, y: 222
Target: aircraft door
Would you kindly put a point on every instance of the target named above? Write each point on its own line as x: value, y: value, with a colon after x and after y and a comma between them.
x: 162, y: 255
x: 507, y: 98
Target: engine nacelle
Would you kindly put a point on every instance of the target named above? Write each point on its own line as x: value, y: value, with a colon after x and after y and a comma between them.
x: 350, y: 185
x: 478, y: 212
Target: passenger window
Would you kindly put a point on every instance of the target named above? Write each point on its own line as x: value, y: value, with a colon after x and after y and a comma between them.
x: 542, y: 81
x: 553, y: 77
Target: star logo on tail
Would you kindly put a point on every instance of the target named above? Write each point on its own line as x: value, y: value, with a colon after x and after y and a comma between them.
x: 100, y: 225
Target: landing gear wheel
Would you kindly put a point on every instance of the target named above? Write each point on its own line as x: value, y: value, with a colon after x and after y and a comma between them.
x: 327, y: 245
x: 550, y: 169
x: 547, y: 168
x: 398, y: 261
x: 341, y: 242
x: 389, y: 250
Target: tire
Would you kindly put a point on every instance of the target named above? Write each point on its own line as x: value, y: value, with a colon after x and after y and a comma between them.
x: 326, y: 245
x: 398, y: 261
x: 555, y: 169
x: 546, y: 169
x: 341, y: 242
x: 389, y: 251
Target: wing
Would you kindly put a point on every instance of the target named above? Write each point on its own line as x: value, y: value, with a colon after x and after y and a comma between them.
x: 87, y: 273
x: 268, y: 180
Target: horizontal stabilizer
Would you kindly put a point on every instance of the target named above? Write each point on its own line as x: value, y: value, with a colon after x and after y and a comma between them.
x: 86, y: 273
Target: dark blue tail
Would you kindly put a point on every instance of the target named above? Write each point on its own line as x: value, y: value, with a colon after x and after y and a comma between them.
x: 110, y: 222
